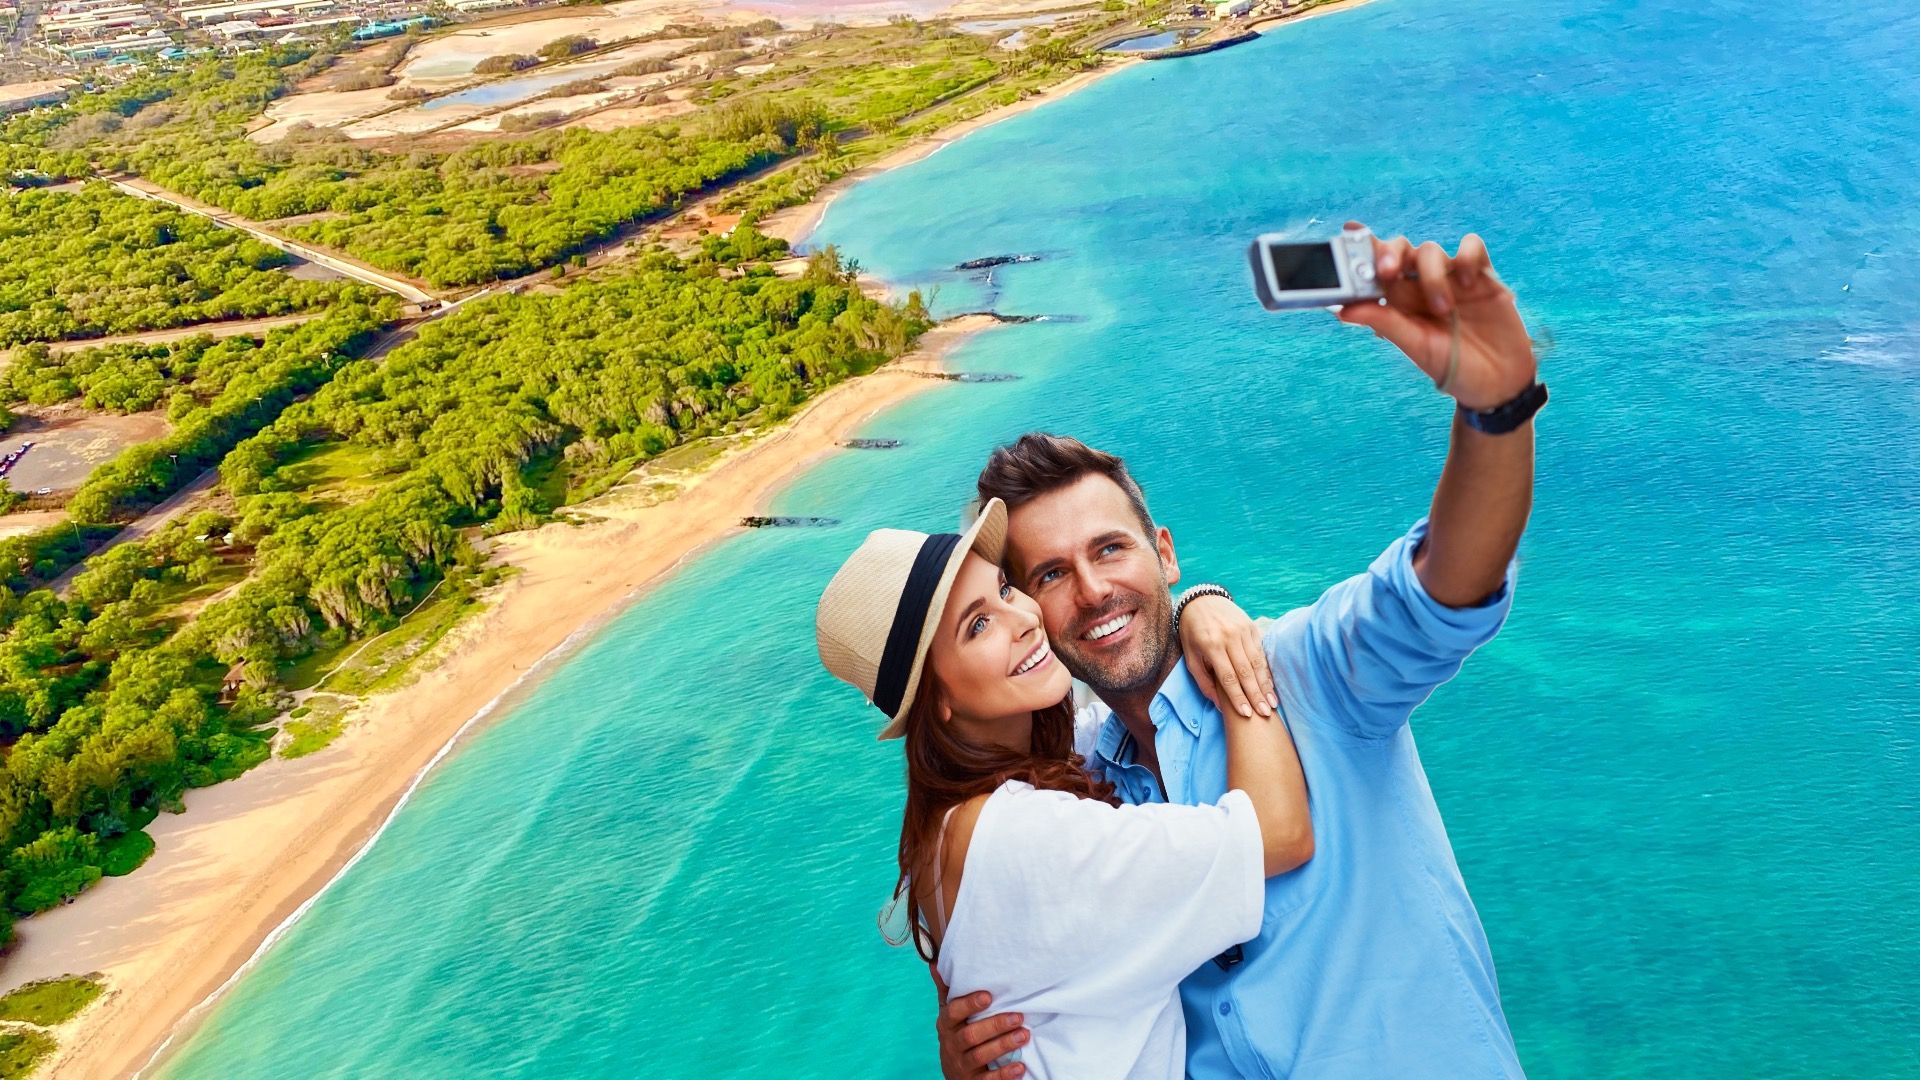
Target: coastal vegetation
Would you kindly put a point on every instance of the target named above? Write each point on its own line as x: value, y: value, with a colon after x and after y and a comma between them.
x: 50, y: 1001
x: 22, y: 1050
x: 97, y: 262
x: 357, y: 489
x: 34, y: 1006
x: 504, y: 63
x: 217, y: 393
x: 571, y: 45
x: 165, y: 664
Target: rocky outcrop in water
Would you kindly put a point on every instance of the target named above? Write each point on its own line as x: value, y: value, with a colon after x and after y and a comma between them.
x: 995, y: 260
x: 757, y: 522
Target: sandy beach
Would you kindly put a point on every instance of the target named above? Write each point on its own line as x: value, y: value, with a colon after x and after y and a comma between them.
x: 234, y: 871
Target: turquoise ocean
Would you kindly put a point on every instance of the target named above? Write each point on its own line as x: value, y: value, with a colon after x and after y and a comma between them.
x: 1684, y: 782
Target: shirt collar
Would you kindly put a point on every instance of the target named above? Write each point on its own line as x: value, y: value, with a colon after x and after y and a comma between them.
x: 1179, y: 700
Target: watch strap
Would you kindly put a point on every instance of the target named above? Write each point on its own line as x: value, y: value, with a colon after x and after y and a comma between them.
x: 1509, y: 415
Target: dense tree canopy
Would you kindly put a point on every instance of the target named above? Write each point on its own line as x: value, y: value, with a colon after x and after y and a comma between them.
x: 111, y: 700
x: 605, y: 373
x: 108, y: 717
x: 99, y: 262
x: 115, y: 708
x: 497, y: 209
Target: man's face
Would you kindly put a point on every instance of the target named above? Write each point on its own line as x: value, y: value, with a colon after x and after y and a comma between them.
x: 1100, y: 580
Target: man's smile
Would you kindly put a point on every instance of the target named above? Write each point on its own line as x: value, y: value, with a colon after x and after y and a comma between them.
x: 1108, y: 632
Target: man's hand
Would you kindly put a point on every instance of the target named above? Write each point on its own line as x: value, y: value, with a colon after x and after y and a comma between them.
x: 1454, y: 301
x: 1460, y: 325
x: 966, y: 1049
x: 1226, y: 657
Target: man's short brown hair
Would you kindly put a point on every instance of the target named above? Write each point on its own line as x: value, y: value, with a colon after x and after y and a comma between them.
x: 1037, y: 463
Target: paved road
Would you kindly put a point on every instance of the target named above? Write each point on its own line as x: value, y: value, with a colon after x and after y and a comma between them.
x: 151, y: 522
x: 187, y: 497
x: 359, y: 271
x: 223, y: 329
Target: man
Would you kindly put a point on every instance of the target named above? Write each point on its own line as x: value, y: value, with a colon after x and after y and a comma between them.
x: 1371, y: 962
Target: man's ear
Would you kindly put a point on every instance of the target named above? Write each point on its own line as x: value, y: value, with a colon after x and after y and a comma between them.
x: 1169, y: 562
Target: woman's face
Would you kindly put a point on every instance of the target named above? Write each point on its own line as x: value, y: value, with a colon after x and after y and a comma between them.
x: 990, y: 651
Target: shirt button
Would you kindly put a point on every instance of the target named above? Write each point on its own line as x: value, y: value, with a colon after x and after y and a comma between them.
x: 1225, y: 1008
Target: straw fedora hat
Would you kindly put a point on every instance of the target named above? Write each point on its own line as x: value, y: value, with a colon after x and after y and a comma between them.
x: 877, y: 617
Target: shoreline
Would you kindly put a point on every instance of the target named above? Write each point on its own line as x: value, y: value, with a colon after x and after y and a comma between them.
x: 795, y: 223
x: 254, y: 854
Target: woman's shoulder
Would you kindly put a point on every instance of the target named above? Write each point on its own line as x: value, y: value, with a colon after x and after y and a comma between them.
x: 1019, y: 816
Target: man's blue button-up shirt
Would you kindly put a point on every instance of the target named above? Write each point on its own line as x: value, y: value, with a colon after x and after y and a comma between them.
x: 1371, y: 962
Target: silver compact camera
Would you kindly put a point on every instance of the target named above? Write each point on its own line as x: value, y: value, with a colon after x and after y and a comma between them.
x: 1289, y: 275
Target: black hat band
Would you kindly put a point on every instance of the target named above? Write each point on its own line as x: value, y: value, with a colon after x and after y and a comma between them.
x: 909, y: 618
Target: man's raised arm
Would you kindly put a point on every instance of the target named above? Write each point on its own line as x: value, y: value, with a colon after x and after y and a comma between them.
x: 1454, y: 319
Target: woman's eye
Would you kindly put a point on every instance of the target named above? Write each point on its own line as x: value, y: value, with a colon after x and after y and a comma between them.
x: 1006, y: 591
x: 979, y: 624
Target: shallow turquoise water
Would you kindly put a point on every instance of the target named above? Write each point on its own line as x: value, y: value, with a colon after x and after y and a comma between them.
x: 1682, y: 784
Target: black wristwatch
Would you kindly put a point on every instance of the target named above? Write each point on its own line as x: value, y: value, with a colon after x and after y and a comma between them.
x: 1504, y: 418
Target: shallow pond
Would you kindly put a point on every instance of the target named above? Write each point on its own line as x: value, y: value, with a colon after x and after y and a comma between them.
x: 1150, y: 43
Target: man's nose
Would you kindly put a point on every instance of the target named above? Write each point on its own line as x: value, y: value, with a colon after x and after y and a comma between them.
x: 1092, y: 589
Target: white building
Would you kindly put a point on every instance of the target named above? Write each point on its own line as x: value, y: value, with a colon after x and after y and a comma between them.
x: 17, y: 96
x: 206, y: 13
x: 1232, y: 9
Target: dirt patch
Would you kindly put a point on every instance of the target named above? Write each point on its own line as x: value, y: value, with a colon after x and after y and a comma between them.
x: 68, y: 442
x: 628, y: 115
x: 451, y: 57
x: 360, y: 69
x: 26, y: 521
x: 556, y: 109
x: 330, y: 108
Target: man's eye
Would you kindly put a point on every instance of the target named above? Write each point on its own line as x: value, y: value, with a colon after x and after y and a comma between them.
x: 979, y: 624
x: 1049, y: 577
x: 1110, y: 549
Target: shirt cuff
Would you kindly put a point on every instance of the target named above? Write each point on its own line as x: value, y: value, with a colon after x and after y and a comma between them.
x: 1249, y: 851
x: 1467, y: 627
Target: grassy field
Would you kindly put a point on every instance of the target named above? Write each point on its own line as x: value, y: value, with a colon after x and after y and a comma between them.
x: 311, y: 733
x: 334, y: 472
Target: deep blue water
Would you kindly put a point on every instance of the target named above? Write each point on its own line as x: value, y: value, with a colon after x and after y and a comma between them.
x: 1682, y: 784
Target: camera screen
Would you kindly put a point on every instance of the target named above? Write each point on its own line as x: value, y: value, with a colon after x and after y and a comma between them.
x: 1303, y: 266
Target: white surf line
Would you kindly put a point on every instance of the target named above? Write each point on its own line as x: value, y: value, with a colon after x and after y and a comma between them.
x: 280, y: 931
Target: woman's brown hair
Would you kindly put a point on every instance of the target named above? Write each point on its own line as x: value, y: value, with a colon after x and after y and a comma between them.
x: 945, y: 770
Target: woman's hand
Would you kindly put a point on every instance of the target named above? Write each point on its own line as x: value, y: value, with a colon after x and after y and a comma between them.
x: 1226, y: 658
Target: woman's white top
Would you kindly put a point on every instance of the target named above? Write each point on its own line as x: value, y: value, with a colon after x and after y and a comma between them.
x: 1085, y: 917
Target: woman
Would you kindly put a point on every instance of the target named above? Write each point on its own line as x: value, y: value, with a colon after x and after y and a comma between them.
x: 1020, y: 873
